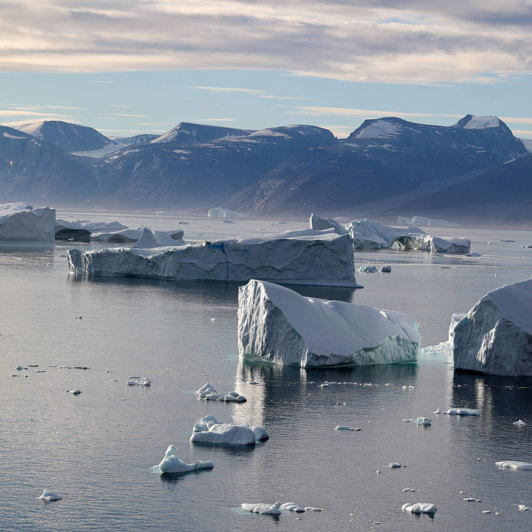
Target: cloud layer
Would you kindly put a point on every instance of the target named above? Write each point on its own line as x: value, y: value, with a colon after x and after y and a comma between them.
x: 394, y: 41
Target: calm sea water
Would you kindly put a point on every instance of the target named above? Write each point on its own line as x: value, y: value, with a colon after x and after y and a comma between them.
x: 97, y: 449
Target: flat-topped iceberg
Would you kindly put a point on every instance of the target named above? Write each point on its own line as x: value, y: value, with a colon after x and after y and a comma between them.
x: 21, y: 222
x: 280, y: 326
x: 262, y: 508
x: 495, y: 337
x: 299, y: 257
x: 172, y: 464
x: 514, y: 464
x: 369, y: 235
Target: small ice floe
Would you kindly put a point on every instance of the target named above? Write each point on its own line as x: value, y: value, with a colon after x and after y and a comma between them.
x: 213, y: 320
x: 210, y: 431
x: 425, y: 421
x: 74, y: 392
x: 49, y: 496
x: 80, y: 367
x: 313, y: 509
x: 172, y: 464
x: 386, y: 269
x: 344, y: 427
x: 20, y: 368
x: 471, y: 499
x: 80, y: 317
x: 208, y: 393
x: 262, y: 508
x: 138, y: 381
x: 486, y: 511
x: 523, y: 508
x: 419, y: 508
x: 324, y: 385
x: 292, y: 507
x: 519, y: 423
x: 409, y: 490
x: 395, y: 465
x: 437, y: 411
x: 461, y: 412
x: 367, y: 269
x: 408, y: 387
x: 513, y: 464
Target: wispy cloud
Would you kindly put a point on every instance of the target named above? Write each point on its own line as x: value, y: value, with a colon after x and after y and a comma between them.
x: 129, y: 115
x: 411, y: 41
x: 522, y: 133
x: 251, y: 92
x: 210, y: 120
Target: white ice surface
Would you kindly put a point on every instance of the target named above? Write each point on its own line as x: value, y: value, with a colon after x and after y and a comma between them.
x: 172, y: 464
x: 48, y: 496
x: 154, y: 239
x: 220, y: 212
x: 461, y: 412
x: 262, y: 508
x: 482, y: 122
x: 225, y: 434
x: 21, y: 222
x: 513, y: 464
x: 280, y: 326
x: 496, y: 335
x: 379, y: 129
x: 317, y: 223
x: 301, y: 257
x: 419, y: 508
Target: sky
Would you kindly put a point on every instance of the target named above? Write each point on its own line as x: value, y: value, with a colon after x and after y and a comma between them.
x: 127, y: 67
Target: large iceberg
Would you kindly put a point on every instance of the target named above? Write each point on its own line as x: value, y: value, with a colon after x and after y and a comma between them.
x: 369, y: 235
x: 21, y: 222
x: 299, y: 257
x: 496, y: 335
x: 210, y: 431
x: 280, y: 326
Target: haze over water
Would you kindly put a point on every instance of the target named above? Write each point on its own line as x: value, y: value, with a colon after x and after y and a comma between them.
x: 96, y: 450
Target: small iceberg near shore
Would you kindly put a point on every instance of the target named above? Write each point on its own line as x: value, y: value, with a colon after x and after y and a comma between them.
x: 278, y: 325
x: 172, y: 464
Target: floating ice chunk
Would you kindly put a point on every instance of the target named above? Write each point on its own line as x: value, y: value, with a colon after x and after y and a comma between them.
x: 395, y: 465
x: 519, y: 423
x: 408, y: 387
x: 386, y: 269
x: 471, y: 499
x: 425, y: 421
x: 486, y: 511
x: 344, y: 427
x: 138, y: 381
x: 21, y: 222
x: 496, y: 335
x: 225, y: 434
x: 419, y: 508
x: 19, y: 368
x: 461, y: 412
x: 205, y: 390
x: 292, y: 507
x: 313, y: 509
x: 261, y: 434
x: 172, y: 464
x: 208, y: 393
x: 367, y: 269
x: 437, y: 411
x: 302, y: 257
x: 48, y: 496
x: 74, y: 392
x: 233, y: 397
x: 523, y: 508
x: 409, y: 490
x: 213, y: 320
x: 79, y: 317
x: 279, y: 325
x: 408, y: 420
x: 204, y: 423
x: 262, y: 508
x: 514, y: 464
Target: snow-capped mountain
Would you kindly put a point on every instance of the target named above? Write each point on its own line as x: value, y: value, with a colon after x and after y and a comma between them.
x: 187, y: 133
x: 69, y: 137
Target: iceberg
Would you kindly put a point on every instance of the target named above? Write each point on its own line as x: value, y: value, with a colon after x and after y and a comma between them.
x: 156, y: 239
x: 93, y: 227
x: 262, y: 508
x: 124, y: 236
x: 224, y: 434
x: 299, y: 257
x: 495, y: 337
x: 208, y: 393
x: 220, y: 212
x: 172, y: 464
x: 21, y: 222
x: 48, y: 496
x: 371, y: 235
x: 292, y: 507
x: 317, y: 223
x: 280, y: 326
x: 419, y: 508
x: 513, y: 464
x: 461, y: 412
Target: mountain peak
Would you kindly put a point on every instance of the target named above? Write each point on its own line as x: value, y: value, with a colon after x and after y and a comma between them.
x: 198, y: 133
x: 387, y: 127
x: 478, y: 122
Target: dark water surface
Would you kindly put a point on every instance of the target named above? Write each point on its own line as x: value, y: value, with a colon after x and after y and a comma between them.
x: 97, y: 449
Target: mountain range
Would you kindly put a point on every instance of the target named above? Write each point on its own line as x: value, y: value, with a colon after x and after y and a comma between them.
x: 472, y: 171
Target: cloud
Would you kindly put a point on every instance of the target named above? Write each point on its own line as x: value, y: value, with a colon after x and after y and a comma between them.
x: 210, y: 120
x: 407, y: 41
x: 252, y: 92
